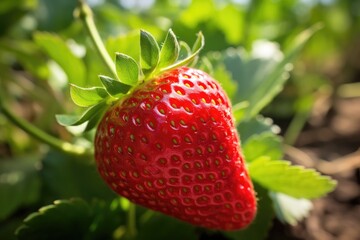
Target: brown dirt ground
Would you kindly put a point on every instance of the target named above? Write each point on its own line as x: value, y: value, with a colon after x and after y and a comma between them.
x: 333, y: 148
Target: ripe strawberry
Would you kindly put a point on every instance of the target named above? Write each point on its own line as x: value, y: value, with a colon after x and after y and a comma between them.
x: 171, y: 146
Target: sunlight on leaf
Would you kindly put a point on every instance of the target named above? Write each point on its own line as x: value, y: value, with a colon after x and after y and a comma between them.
x: 198, y: 45
x: 114, y: 87
x: 296, y: 181
x: 76, y: 218
x: 62, y: 55
x: 265, y: 144
x: 149, y: 51
x: 86, y: 97
x: 127, y: 69
x: 290, y: 210
x: 169, y: 51
x: 73, y: 120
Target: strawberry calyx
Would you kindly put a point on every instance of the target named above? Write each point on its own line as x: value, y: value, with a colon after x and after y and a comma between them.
x: 154, y: 61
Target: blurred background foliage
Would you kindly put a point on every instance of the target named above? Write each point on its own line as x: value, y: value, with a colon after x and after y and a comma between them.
x: 328, y: 66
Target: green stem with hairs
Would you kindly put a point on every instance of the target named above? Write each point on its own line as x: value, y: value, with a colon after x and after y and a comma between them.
x: 39, y: 134
x: 86, y: 15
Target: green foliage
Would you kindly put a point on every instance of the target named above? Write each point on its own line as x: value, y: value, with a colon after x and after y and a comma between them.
x: 150, y: 51
x: 65, y: 176
x: 79, y: 220
x: 264, y: 144
x: 90, y: 115
x: 256, y: 126
x: 165, y: 226
x: 19, y: 184
x: 169, y: 52
x: 114, y: 87
x: 296, y: 181
x: 86, y: 97
x: 62, y: 55
x: 127, y: 69
x: 259, y: 75
x: 198, y: 45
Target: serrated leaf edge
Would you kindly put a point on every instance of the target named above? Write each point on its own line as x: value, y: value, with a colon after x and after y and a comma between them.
x: 261, y: 167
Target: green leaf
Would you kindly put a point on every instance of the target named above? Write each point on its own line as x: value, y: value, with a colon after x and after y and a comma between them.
x: 93, y: 122
x: 265, y: 144
x: 279, y: 74
x: 27, y: 54
x: 114, y: 87
x: 73, y: 219
x: 169, y: 51
x: 74, y: 120
x: 19, y: 184
x: 251, y: 74
x: 234, y: 31
x: 198, y: 12
x: 255, y: 126
x: 239, y: 110
x: 124, y: 43
x: 259, y: 228
x: 290, y: 210
x: 71, y: 216
x: 166, y: 227
x: 65, y: 176
x: 127, y: 69
x: 260, y: 74
x: 198, y: 45
x: 57, y: 50
x: 86, y: 97
x: 149, y: 51
x: 95, y: 65
x: 296, y: 181
x: 223, y: 76
x: 185, y: 51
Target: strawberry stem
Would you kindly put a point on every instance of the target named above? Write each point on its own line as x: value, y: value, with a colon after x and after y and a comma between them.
x: 39, y: 134
x: 131, y: 224
x: 86, y: 15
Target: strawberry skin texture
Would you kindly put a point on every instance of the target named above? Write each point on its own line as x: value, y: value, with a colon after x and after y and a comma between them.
x: 171, y: 146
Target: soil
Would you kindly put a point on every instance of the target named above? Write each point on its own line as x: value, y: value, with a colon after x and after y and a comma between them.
x: 332, y: 146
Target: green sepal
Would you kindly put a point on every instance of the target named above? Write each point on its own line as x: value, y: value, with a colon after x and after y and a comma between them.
x: 149, y: 51
x: 295, y: 181
x: 127, y: 69
x: 86, y: 97
x: 185, y: 51
x: 114, y: 87
x: 95, y: 119
x: 198, y: 45
x: 169, y: 51
x: 75, y: 120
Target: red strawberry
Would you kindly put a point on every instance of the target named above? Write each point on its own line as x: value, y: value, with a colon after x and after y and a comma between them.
x: 171, y: 146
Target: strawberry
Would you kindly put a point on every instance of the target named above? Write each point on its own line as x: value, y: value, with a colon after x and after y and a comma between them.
x: 167, y: 141
x: 171, y: 146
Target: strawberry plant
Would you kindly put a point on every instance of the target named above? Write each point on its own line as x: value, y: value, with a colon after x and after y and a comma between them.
x: 177, y: 136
